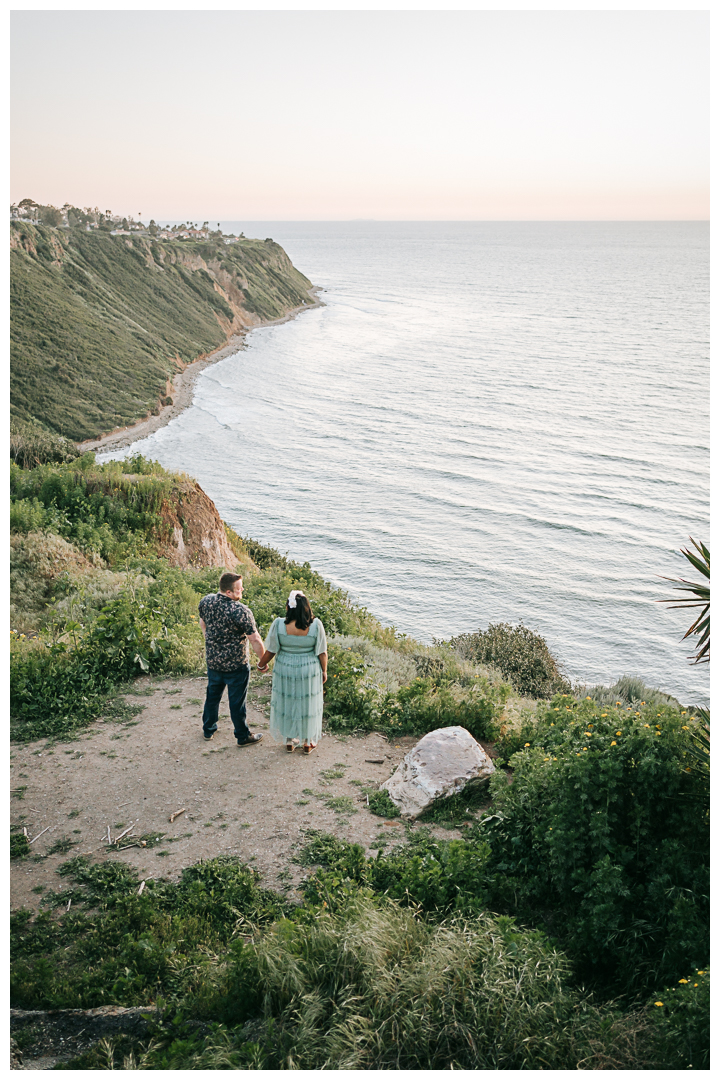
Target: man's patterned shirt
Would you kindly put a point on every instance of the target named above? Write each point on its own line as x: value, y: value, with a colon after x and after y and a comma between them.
x: 227, y: 626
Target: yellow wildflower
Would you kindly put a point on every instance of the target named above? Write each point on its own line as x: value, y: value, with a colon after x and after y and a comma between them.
x: 618, y: 732
x: 527, y: 743
x: 658, y: 1002
x: 588, y: 733
x: 683, y: 714
x: 701, y: 972
x: 603, y: 714
x: 685, y: 727
x: 546, y: 759
x: 682, y: 980
x: 613, y: 743
x: 642, y: 702
x: 694, y: 984
x: 588, y: 699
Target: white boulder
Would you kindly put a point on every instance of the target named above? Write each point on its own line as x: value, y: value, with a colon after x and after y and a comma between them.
x: 440, y: 765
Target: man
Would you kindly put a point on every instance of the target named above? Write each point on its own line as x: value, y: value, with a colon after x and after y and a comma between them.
x: 228, y: 627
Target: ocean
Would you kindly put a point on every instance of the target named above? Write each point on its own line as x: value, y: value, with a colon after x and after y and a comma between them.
x: 485, y: 422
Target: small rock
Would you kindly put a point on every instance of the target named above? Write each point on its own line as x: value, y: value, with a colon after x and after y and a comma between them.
x: 440, y: 765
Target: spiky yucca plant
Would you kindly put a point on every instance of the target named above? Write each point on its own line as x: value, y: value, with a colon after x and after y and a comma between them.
x: 697, y: 596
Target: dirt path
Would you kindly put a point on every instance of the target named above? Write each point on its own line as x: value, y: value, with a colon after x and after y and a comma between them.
x: 255, y: 802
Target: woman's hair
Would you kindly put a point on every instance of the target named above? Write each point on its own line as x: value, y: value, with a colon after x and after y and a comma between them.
x: 301, y: 614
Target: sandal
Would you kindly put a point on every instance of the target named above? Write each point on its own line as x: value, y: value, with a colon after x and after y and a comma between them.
x: 290, y: 745
x: 309, y: 747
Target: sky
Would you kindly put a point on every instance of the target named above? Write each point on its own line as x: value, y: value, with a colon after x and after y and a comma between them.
x: 343, y: 115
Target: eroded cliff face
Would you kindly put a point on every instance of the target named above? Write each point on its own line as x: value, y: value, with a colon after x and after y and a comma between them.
x: 195, y: 534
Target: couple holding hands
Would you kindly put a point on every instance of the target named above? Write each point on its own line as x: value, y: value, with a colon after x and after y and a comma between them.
x: 297, y: 642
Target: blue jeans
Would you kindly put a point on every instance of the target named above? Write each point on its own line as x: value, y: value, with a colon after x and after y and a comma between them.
x: 237, y: 684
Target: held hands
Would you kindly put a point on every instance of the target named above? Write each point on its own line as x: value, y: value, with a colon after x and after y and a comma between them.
x: 262, y: 667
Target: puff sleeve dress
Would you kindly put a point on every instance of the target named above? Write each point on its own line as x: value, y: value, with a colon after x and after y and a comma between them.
x: 296, y: 704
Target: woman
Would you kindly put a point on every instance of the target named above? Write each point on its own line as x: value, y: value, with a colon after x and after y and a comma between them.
x: 296, y: 706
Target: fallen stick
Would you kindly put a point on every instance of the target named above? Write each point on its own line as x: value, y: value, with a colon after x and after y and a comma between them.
x: 129, y: 829
x: 109, y: 839
x: 176, y: 814
x: 39, y: 835
x: 69, y: 903
x: 140, y: 890
x: 375, y: 761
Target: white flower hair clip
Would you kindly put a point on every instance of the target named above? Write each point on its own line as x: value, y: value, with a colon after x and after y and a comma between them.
x: 292, y: 598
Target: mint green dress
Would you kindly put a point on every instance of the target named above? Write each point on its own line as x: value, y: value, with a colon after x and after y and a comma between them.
x: 296, y: 705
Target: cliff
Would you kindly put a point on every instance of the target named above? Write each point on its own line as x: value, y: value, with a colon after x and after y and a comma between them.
x: 195, y: 533
x: 100, y: 323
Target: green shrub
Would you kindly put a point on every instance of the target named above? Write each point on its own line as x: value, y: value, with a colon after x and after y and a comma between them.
x: 427, y: 704
x: 31, y: 444
x: 99, y: 508
x: 18, y: 845
x: 602, y: 838
x: 57, y: 687
x: 115, y: 947
x: 438, y: 876
x: 380, y: 803
x: 681, y: 1017
x: 353, y: 702
x: 628, y: 690
x: 521, y: 655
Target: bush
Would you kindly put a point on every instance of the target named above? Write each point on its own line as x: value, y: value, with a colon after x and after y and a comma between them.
x: 31, y: 444
x: 99, y: 508
x: 681, y: 1016
x: 354, y: 702
x: 627, y: 691
x: 602, y: 838
x: 116, y: 947
x: 520, y: 655
x: 59, y: 686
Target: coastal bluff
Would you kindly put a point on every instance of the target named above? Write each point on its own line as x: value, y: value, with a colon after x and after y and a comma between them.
x: 101, y: 323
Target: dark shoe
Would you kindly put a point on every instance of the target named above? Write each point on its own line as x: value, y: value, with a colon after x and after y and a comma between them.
x: 248, y: 742
x: 207, y: 738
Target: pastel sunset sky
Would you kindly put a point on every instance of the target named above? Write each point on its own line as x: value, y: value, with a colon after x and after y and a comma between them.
x: 333, y: 115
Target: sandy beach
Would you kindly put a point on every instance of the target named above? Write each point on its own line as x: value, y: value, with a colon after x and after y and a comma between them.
x: 184, y: 385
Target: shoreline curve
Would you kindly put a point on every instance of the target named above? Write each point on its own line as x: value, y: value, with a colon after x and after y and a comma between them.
x: 184, y: 385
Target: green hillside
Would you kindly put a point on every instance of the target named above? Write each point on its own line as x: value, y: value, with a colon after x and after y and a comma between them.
x: 100, y: 322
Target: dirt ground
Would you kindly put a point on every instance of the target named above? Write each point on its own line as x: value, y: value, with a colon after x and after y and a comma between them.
x: 256, y: 802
